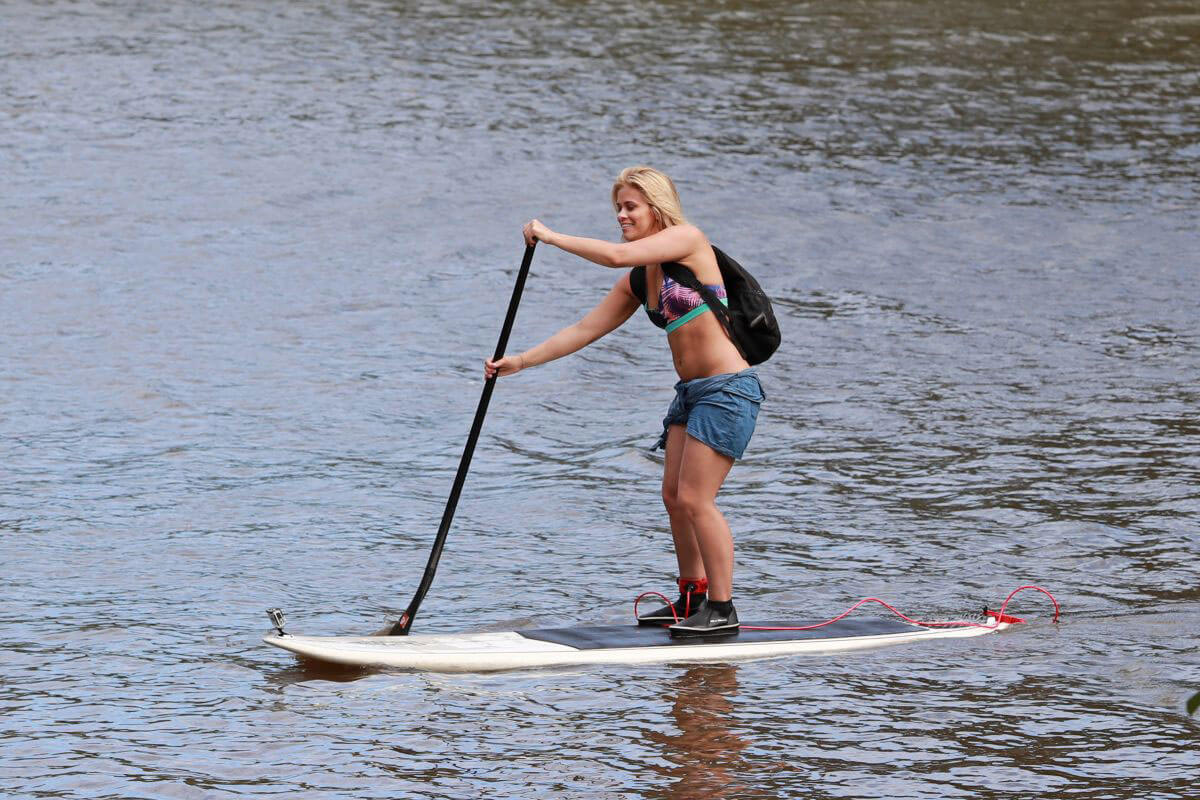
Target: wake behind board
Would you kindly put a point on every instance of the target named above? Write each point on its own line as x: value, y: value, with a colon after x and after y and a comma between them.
x: 605, y: 644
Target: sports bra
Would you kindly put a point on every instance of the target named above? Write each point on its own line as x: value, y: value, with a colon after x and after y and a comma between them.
x: 677, y: 304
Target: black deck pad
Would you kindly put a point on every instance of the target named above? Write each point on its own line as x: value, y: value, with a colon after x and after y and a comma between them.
x: 603, y: 637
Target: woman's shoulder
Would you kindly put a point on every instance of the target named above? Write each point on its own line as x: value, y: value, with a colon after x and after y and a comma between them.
x: 693, y: 235
x: 700, y: 258
x: 688, y: 243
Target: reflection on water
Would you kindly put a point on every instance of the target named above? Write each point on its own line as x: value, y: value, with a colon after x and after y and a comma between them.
x: 304, y: 669
x: 704, y: 755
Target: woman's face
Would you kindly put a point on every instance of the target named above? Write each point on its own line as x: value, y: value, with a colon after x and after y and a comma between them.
x: 634, y: 215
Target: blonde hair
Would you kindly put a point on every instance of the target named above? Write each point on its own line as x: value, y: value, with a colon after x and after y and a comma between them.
x: 657, y: 188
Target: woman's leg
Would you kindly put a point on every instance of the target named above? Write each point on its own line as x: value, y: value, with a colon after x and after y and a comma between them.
x: 687, y: 549
x: 701, y: 471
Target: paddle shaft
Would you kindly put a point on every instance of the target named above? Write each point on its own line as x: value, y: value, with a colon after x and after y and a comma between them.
x: 406, y: 619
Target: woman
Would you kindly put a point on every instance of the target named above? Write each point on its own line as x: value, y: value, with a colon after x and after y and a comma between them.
x: 717, y: 397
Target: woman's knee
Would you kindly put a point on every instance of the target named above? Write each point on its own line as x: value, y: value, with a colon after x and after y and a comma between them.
x: 670, y: 498
x: 692, y: 502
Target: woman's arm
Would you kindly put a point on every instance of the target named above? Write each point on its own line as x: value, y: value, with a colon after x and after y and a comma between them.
x: 608, y: 315
x: 676, y: 243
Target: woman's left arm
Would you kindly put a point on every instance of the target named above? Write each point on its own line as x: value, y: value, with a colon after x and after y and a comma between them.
x: 676, y: 243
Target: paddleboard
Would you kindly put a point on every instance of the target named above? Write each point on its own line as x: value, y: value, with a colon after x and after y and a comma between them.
x: 493, y: 651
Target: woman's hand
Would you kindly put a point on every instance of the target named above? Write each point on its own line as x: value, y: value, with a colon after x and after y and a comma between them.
x: 534, y: 230
x: 505, y: 366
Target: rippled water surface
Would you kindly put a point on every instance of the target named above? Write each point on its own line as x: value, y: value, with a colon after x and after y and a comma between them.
x: 252, y: 254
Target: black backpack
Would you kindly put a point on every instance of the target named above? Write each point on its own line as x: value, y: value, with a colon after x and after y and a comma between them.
x: 749, y: 319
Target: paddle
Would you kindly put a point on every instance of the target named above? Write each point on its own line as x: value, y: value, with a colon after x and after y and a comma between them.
x: 406, y: 619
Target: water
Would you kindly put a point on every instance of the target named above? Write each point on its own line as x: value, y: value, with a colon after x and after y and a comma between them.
x: 252, y: 255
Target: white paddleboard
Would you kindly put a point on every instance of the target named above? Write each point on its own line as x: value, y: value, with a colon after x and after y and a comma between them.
x: 608, y: 644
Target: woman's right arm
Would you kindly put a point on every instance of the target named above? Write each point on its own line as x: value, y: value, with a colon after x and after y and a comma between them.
x: 608, y: 315
x: 676, y: 243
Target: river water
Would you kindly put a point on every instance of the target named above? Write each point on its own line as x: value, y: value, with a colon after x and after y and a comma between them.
x: 253, y: 253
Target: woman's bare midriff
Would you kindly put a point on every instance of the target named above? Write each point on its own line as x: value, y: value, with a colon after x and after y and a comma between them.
x: 701, y: 349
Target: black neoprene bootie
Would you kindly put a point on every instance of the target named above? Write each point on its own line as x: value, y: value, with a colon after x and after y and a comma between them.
x: 692, y: 593
x: 712, y: 619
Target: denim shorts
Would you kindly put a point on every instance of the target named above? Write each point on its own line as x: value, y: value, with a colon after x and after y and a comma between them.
x: 719, y: 411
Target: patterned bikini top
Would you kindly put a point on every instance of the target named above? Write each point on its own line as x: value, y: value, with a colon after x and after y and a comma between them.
x: 677, y: 304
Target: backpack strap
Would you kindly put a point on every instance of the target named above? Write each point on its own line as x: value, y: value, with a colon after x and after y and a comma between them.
x: 637, y: 283
x: 685, y: 277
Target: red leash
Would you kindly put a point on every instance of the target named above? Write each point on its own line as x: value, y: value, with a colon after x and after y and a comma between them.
x: 999, y: 617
